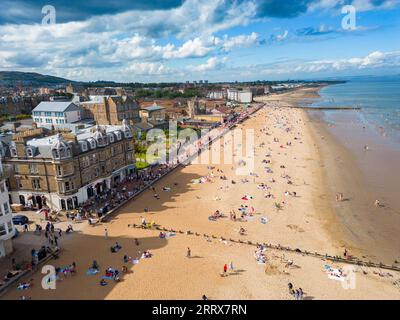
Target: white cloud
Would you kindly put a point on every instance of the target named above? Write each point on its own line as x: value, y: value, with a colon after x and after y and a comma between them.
x: 211, y: 64
x: 241, y: 41
x: 149, y: 68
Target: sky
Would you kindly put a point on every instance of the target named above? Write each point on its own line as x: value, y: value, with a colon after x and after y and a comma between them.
x: 188, y: 40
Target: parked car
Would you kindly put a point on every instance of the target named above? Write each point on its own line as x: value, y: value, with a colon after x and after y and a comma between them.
x: 20, y: 219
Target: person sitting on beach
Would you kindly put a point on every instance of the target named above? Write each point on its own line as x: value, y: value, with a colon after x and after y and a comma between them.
x: 162, y: 235
x: 103, y: 282
x: 136, y: 241
x: 377, y: 203
x: 69, y: 229
x: 146, y: 254
x: 116, y: 247
x: 242, y: 231
x: 95, y: 265
x: 126, y: 258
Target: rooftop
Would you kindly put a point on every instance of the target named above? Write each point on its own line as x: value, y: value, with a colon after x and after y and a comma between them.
x: 153, y: 108
x: 55, y: 106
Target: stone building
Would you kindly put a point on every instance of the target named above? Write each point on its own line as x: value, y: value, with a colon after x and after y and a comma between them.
x: 111, y: 110
x: 63, y: 170
x: 7, y: 229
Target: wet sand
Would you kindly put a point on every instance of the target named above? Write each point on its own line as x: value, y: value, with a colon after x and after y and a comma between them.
x: 362, y: 176
x: 306, y: 221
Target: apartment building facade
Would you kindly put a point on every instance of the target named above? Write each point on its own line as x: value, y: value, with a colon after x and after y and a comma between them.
x: 63, y: 170
x: 7, y: 229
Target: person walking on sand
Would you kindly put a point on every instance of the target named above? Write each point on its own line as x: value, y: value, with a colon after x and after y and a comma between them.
x: 106, y: 233
x: 225, y: 269
x: 231, y: 267
x: 188, y: 253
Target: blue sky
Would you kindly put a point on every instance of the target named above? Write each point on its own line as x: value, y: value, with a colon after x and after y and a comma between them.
x: 217, y: 40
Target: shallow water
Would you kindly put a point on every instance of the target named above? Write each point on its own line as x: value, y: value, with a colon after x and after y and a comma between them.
x: 378, y: 98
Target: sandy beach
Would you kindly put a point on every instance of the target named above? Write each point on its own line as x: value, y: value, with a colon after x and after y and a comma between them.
x: 290, y: 170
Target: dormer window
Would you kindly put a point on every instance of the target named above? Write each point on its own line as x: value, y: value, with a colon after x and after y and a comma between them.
x: 13, y: 152
x: 118, y: 134
x: 56, y: 154
x: 29, y: 152
x: 128, y: 134
x: 60, y: 149
x: 92, y: 144
x: 84, y: 146
x: 111, y: 138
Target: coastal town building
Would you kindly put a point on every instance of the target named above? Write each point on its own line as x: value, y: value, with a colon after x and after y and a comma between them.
x: 154, y: 114
x: 111, y: 110
x: 56, y: 113
x: 219, y: 95
x: 63, y: 169
x: 7, y: 229
x: 241, y: 96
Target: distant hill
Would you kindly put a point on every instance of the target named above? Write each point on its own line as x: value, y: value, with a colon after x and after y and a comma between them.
x: 33, y: 79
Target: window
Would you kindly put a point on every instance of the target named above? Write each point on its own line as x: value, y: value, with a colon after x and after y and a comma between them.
x: 2, y: 230
x: 19, y: 183
x: 59, y: 170
x: 33, y: 168
x: 48, y: 120
x: 2, y: 187
x: 85, y: 162
x: 84, y: 146
x: 29, y: 152
x: 10, y: 226
x: 47, y: 114
x: 36, y: 184
x: 67, y: 187
x: 13, y: 152
x: 6, y: 208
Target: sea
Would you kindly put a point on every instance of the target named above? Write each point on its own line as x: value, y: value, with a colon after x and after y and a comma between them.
x: 378, y: 98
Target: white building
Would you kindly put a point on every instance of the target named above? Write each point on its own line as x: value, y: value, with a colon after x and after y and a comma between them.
x: 56, y: 113
x: 243, y: 96
x: 217, y: 95
x: 7, y: 229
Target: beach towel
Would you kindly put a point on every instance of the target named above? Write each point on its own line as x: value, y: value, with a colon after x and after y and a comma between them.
x: 247, y: 197
x: 92, y: 272
x: 169, y: 235
x: 135, y: 261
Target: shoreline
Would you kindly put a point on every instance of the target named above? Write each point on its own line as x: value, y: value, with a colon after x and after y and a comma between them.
x: 362, y: 177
